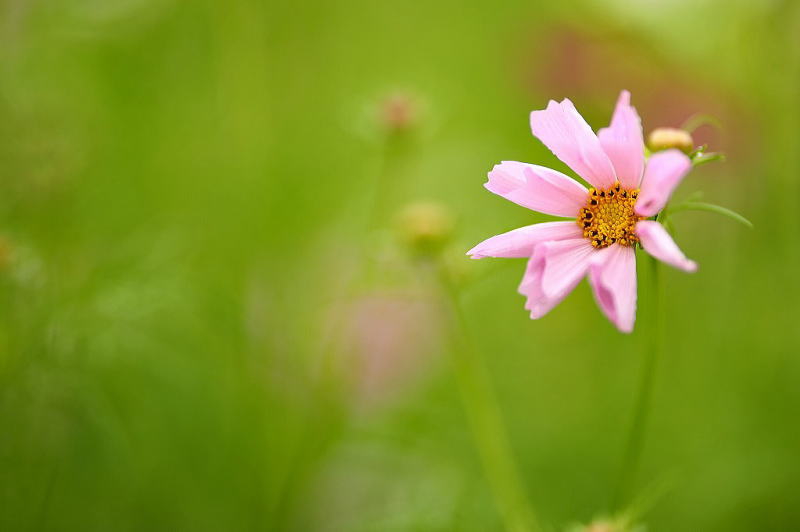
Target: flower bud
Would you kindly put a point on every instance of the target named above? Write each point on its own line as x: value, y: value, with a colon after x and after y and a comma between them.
x: 398, y: 112
x: 665, y: 138
x: 425, y: 227
x: 607, y: 525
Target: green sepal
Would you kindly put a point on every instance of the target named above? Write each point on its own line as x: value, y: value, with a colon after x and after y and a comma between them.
x: 703, y: 158
x: 699, y: 156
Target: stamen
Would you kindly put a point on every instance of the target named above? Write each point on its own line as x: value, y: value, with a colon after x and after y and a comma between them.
x: 608, y: 217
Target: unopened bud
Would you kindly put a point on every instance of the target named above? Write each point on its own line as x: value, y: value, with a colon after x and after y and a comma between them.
x: 399, y: 112
x: 425, y: 227
x: 665, y: 138
x: 607, y: 525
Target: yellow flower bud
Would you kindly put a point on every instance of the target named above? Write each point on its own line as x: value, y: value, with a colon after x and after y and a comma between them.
x: 600, y: 526
x: 665, y: 138
x: 607, y: 525
x: 425, y: 227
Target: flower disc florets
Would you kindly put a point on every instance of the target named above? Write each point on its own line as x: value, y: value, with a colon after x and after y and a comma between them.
x: 609, y: 218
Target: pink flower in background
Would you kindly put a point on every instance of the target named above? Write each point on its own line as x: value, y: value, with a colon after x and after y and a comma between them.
x: 610, y: 219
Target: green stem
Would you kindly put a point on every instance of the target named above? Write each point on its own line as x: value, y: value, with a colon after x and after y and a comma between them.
x: 394, y: 152
x: 486, y: 421
x: 636, y: 436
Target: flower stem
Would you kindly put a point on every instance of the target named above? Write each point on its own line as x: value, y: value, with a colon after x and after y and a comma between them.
x: 485, y: 419
x: 636, y: 436
x: 394, y: 152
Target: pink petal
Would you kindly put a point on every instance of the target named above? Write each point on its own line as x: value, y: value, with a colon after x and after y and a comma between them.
x: 554, y: 271
x: 657, y: 242
x: 562, y: 129
x: 623, y: 143
x: 662, y: 174
x: 612, y: 275
x: 520, y: 242
x: 537, y: 188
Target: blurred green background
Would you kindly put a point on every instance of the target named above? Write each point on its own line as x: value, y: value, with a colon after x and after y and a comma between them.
x: 208, y: 322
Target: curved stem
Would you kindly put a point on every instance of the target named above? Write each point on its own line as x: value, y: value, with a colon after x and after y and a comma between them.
x: 636, y: 436
x: 486, y: 421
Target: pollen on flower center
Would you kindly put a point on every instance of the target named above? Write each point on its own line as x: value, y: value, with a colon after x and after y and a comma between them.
x: 608, y: 217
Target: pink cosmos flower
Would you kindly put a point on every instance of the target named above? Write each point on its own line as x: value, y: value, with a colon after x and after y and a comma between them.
x: 611, y: 218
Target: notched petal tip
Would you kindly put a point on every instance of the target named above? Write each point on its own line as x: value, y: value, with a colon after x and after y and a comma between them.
x: 553, y: 271
x: 623, y: 142
x: 537, y: 188
x: 563, y: 130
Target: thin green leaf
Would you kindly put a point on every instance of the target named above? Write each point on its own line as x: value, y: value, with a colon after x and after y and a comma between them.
x: 710, y: 207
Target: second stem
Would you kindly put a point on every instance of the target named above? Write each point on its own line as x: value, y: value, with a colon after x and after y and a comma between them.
x: 486, y: 420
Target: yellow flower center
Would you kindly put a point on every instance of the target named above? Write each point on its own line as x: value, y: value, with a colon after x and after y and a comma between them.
x: 608, y: 217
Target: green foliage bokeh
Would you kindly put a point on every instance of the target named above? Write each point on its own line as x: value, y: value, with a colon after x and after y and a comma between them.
x: 183, y: 193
